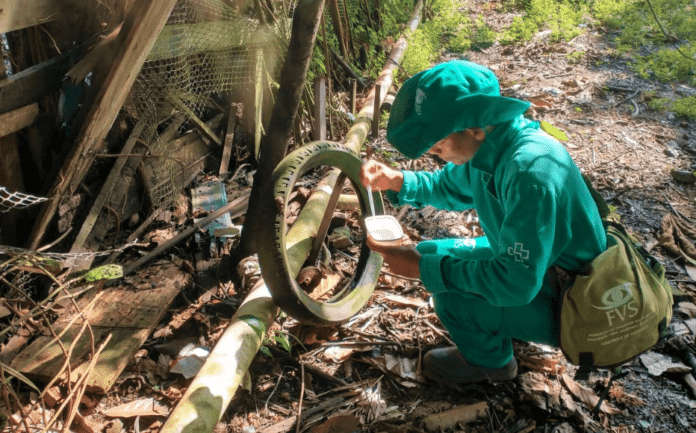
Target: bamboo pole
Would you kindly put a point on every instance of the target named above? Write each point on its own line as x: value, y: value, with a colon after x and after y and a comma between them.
x: 205, y: 400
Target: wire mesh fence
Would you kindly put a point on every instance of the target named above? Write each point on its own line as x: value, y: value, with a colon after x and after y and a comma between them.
x: 207, y: 49
x: 10, y: 200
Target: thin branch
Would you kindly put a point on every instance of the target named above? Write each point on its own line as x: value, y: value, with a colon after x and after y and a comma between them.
x: 665, y: 32
x: 299, y: 409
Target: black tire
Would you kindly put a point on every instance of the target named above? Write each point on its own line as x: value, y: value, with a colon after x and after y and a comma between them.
x: 286, y: 292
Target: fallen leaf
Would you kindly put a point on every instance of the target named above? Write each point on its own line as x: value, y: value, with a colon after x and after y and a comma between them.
x: 553, y: 131
x: 404, y: 301
x: 141, y: 407
x: 657, y: 363
x: 588, y: 396
x: 338, y: 354
x: 338, y: 424
x: 190, y: 360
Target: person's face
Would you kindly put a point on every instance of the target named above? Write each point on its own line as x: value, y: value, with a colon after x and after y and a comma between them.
x: 459, y: 147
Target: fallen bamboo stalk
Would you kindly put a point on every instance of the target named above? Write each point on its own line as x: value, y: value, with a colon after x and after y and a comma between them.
x: 205, y: 400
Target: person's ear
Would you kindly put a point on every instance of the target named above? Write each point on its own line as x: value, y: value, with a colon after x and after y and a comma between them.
x: 478, y: 133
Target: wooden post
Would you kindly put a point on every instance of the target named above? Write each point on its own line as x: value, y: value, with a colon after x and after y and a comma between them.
x: 20, y: 14
x: 375, y: 113
x: 140, y: 30
x: 18, y: 119
x: 353, y: 94
x: 32, y: 84
x: 320, y: 109
x: 258, y: 103
x: 229, y: 138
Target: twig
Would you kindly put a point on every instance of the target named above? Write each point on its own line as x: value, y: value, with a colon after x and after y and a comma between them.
x: 384, y: 272
x: 438, y: 331
x: 274, y: 388
x: 16, y: 397
x: 314, y: 371
x: 82, y: 380
x: 679, y: 214
x: 627, y: 98
x: 299, y: 409
x: 54, y: 243
x: 185, y: 234
x: 360, y: 343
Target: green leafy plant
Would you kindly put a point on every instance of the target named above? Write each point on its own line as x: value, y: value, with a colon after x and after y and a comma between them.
x: 658, y: 28
x: 575, y: 57
x: 685, y: 107
x: 447, y: 28
x: 561, y: 17
x: 682, y: 107
x: 668, y: 65
x: 269, y: 338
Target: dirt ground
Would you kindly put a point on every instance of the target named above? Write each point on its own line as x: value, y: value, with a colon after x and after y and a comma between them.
x: 629, y: 151
x: 364, y: 376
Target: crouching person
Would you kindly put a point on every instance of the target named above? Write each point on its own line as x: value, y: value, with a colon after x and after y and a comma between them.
x: 533, y: 206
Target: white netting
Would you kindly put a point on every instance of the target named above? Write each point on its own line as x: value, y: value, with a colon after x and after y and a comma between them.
x: 16, y: 200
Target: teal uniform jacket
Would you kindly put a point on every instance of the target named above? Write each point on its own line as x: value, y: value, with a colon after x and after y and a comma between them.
x: 533, y: 206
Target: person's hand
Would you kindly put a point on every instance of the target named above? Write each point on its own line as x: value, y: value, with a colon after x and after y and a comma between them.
x: 380, y: 176
x: 402, y: 259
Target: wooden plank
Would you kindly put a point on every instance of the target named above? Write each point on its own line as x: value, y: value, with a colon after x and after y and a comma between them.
x: 82, y: 239
x: 320, y: 109
x: 258, y: 103
x: 19, y: 119
x: 30, y: 85
x: 20, y: 14
x: 229, y: 138
x: 140, y: 30
x: 128, y: 312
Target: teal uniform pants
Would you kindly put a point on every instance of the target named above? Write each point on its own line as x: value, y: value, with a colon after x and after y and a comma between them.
x: 484, y: 332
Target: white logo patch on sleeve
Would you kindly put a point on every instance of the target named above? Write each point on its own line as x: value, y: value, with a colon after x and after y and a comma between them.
x: 519, y: 253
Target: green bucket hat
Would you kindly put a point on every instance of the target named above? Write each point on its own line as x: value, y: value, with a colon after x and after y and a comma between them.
x: 447, y: 98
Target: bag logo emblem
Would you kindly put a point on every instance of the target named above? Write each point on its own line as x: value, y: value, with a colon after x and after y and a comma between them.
x: 616, y: 297
x: 619, y: 302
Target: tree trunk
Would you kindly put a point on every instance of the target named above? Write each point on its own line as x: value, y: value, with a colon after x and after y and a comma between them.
x: 305, y: 25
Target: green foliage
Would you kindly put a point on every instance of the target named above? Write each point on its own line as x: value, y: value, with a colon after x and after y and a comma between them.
x: 519, y: 30
x: 575, y: 57
x: 639, y: 30
x: 272, y: 337
x: 422, y: 49
x: 668, y: 65
x: 562, y: 17
x: 447, y: 28
x: 682, y: 107
x: 483, y: 35
x: 685, y: 107
x: 553, y: 131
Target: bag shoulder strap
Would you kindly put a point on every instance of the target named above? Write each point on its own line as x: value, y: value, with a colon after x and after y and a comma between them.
x: 602, y: 206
